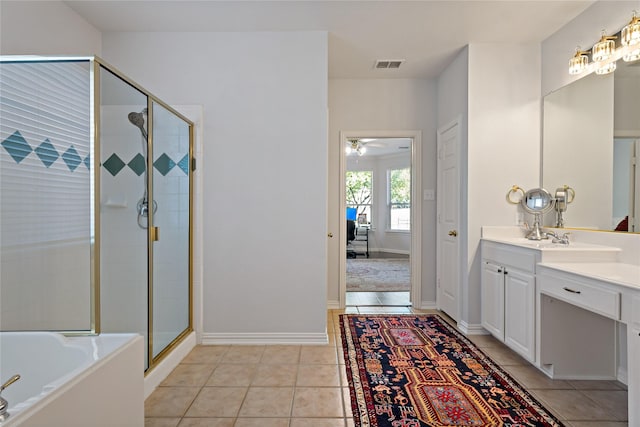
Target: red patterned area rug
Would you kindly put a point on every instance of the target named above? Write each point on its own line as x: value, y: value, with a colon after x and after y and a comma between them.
x: 418, y: 371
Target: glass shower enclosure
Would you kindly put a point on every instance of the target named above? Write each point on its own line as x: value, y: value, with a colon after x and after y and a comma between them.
x: 95, y: 204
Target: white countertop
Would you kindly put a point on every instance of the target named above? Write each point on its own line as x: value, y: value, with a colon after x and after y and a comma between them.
x: 613, y: 272
x: 548, y: 245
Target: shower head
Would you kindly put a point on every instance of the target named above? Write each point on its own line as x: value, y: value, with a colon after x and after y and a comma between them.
x: 137, y: 119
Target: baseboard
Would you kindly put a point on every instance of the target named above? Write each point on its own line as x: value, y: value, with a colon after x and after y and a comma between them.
x: 257, y: 338
x: 471, y: 329
x: 155, y: 376
x: 622, y: 375
x: 428, y: 305
x: 333, y: 305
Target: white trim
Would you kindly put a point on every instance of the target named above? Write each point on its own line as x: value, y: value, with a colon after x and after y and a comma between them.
x: 270, y: 338
x: 195, y: 113
x: 416, y: 207
x: 158, y: 373
x: 333, y: 305
x: 428, y: 305
x: 622, y: 375
x: 471, y: 328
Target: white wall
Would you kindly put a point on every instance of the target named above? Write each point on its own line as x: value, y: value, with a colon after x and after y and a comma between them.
x: 583, y: 31
x: 264, y: 98
x: 380, y: 105
x: 45, y: 27
x: 499, y: 148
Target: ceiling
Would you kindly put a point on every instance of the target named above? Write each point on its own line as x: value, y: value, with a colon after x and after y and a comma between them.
x: 382, y: 147
x: 426, y: 34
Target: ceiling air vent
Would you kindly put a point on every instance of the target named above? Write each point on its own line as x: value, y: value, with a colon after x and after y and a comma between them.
x: 388, y: 63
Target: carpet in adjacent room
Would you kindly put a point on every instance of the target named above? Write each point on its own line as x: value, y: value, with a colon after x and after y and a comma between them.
x: 418, y: 371
x: 378, y: 275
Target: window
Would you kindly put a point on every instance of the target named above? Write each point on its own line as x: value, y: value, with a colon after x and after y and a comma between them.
x: 399, y: 196
x: 358, y: 192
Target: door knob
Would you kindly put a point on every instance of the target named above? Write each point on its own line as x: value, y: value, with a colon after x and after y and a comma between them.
x: 330, y: 234
x: 453, y: 233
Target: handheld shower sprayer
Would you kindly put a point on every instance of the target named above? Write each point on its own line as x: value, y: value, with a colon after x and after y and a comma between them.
x: 137, y: 119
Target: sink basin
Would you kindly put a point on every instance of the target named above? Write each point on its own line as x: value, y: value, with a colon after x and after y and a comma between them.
x: 558, y: 252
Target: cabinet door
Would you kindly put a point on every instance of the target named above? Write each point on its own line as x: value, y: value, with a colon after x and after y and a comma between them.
x: 633, y: 352
x: 492, y: 308
x: 519, y: 313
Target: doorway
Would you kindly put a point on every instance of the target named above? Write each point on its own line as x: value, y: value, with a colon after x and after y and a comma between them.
x: 380, y: 238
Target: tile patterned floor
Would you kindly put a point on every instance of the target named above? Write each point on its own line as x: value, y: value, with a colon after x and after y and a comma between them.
x: 306, y: 386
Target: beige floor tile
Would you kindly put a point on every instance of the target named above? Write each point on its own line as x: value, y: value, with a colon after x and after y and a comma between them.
x: 346, y: 398
x: 318, y: 355
x: 275, y: 376
x: 317, y: 422
x: 351, y: 422
x: 187, y: 374
x: 281, y: 355
x: 243, y: 354
x: 595, y: 385
x: 613, y: 401
x: 209, y: 354
x: 267, y: 402
x: 262, y: 422
x: 504, y: 356
x: 231, y: 375
x: 572, y: 405
x: 332, y: 340
x: 217, y: 402
x: 482, y: 341
x: 323, y: 402
x: 318, y: 376
x: 161, y: 422
x: 207, y: 422
x: 531, y: 378
x: 597, y: 424
x: 169, y: 401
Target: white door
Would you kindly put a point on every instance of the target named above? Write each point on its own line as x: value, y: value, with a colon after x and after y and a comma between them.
x: 448, y: 263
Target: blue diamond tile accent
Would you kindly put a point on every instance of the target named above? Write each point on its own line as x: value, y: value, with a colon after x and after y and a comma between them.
x: 164, y: 164
x: 47, y: 153
x: 87, y: 161
x: 184, y: 164
x: 113, y: 164
x: 71, y: 158
x: 137, y: 164
x: 17, y: 146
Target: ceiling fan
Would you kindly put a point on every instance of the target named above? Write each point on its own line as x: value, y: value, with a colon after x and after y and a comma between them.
x: 357, y: 146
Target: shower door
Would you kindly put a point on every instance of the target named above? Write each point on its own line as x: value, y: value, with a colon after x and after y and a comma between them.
x: 170, y: 233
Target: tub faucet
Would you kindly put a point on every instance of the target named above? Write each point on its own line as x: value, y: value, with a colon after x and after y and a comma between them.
x: 4, y: 405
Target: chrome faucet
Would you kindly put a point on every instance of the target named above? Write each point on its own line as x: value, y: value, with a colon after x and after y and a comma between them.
x: 563, y: 240
x: 4, y: 405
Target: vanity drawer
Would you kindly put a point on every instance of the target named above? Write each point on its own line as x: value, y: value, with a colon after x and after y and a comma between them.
x: 510, y: 256
x: 588, y: 296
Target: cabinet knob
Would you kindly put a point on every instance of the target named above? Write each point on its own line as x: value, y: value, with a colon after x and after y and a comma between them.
x: 453, y: 233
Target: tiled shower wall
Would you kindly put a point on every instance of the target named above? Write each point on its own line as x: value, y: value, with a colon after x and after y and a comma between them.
x: 45, y: 231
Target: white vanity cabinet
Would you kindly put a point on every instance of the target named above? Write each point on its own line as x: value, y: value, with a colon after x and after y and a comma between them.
x: 508, y: 296
x: 633, y: 359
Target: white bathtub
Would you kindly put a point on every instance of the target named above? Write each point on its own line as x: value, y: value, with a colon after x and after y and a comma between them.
x: 73, y: 381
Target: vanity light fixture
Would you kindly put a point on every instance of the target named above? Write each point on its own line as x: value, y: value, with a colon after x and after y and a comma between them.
x: 602, y: 52
x: 579, y: 62
x: 630, y: 38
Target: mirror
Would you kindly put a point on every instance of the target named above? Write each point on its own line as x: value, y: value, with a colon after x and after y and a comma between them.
x: 591, y: 132
x: 537, y: 202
